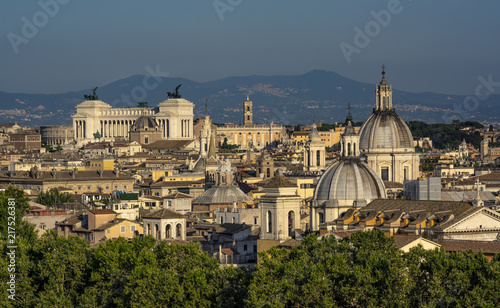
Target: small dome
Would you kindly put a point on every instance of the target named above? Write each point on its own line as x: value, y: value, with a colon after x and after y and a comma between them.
x: 385, y: 129
x: 144, y: 122
x: 349, y: 180
x: 223, y: 194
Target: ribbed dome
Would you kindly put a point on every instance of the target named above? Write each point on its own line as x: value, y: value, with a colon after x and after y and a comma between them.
x: 223, y: 194
x: 385, y: 129
x: 349, y: 180
x: 144, y: 122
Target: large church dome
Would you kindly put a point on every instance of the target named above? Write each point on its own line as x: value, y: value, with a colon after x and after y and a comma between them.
x: 385, y: 129
x: 348, y: 182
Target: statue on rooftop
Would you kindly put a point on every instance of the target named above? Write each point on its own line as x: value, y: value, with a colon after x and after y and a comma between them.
x: 92, y: 97
x: 175, y: 94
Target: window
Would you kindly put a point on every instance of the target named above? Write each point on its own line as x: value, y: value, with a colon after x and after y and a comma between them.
x: 88, y: 187
x: 255, y: 248
x: 255, y: 220
x: 132, y: 228
x: 385, y: 174
x: 221, y: 220
x: 269, y: 222
x: 245, y: 247
x: 122, y: 229
x: 79, y: 188
x: 108, y: 231
x: 146, y: 140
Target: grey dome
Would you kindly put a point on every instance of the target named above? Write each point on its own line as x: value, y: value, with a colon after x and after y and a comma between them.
x: 144, y: 122
x: 385, y: 129
x: 221, y: 195
x: 349, y: 179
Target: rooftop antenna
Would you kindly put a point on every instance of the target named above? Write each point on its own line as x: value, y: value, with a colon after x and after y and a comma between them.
x: 206, y: 106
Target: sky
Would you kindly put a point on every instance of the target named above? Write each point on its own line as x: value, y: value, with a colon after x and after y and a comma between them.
x: 56, y: 46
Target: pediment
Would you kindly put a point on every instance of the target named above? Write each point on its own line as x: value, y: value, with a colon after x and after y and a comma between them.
x: 481, y: 220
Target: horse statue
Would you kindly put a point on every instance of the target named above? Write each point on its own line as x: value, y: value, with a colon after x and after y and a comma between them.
x: 92, y: 97
x: 175, y: 94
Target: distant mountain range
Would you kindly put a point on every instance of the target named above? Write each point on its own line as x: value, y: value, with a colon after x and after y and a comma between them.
x: 295, y: 99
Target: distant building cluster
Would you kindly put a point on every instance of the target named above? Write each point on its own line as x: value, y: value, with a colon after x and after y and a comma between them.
x: 237, y: 190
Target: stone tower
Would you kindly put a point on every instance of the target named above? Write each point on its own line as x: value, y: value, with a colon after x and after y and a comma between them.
x: 314, y: 152
x: 247, y: 112
x: 279, y: 210
x: 484, y: 148
x: 265, y: 166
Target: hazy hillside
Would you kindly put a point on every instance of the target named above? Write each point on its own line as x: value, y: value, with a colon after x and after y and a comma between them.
x: 296, y: 99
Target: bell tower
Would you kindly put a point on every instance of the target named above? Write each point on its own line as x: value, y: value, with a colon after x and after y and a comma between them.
x: 384, y: 94
x: 314, y: 152
x: 247, y: 112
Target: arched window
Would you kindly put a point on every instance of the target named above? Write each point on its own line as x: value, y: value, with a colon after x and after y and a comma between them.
x: 157, y: 232
x: 148, y: 229
x: 318, y: 158
x: 291, y: 222
x: 167, y: 232
x: 269, y: 222
x: 321, y: 217
x: 268, y: 172
x: 178, y: 230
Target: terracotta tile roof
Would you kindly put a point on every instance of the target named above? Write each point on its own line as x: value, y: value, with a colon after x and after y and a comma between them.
x: 279, y: 181
x: 63, y: 175
x: 290, y: 243
x: 390, y: 184
x: 102, y: 211
x: 230, y: 228
x: 229, y: 251
x: 493, y: 176
x: 403, y: 240
x: 168, y: 144
x: 177, y: 183
x: 164, y: 214
x: 110, y: 224
x: 476, y: 246
x: 178, y: 195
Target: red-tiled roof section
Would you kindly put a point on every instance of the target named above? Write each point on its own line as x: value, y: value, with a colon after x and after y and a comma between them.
x: 229, y: 251
x: 102, y: 211
x: 476, y: 246
x: 164, y: 214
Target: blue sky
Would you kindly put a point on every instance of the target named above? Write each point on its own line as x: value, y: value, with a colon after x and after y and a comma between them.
x: 428, y: 46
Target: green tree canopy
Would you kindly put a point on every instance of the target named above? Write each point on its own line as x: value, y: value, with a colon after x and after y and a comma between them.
x: 54, y: 199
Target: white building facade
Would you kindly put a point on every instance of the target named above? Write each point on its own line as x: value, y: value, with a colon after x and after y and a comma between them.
x: 174, y: 116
